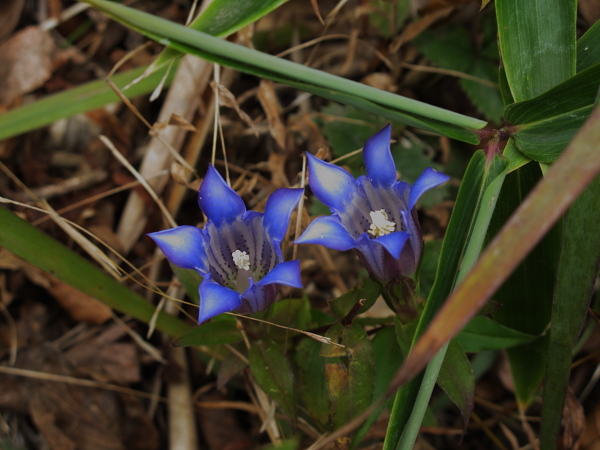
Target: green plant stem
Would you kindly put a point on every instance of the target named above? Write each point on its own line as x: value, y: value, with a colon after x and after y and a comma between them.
x: 52, y: 257
x: 411, y: 431
x: 412, y: 400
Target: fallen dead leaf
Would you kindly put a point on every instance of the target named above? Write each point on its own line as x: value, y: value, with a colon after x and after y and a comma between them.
x: 10, y: 12
x: 25, y: 63
x: 270, y: 103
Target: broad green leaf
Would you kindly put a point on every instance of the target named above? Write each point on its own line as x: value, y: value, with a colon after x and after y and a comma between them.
x: 350, y: 374
x: 78, y: 100
x: 563, y: 183
x: 212, y: 333
x: 544, y: 125
x: 44, y: 252
x: 221, y: 18
x: 451, y: 49
x: 368, y: 289
x: 483, y: 333
x: 526, y: 297
x: 588, y: 48
x: 537, y: 43
x: 335, y: 88
x: 311, y: 380
x: 293, y: 312
x: 466, y: 231
x: 457, y: 380
x: 190, y: 279
x: 575, y: 278
x: 388, y: 359
x: 273, y: 373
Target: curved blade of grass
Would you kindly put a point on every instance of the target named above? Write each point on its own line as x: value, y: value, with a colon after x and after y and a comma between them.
x: 221, y: 18
x: 305, y: 78
x: 537, y: 44
x: 464, y: 237
x: 577, y: 271
x: 564, y: 181
x: 51, y: 256
x: 78, y: 100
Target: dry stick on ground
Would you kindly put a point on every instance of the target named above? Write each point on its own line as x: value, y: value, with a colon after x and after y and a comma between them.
x: 183, y: 99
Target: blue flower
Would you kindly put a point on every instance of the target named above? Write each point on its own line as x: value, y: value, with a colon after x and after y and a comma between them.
x: 374, y: 215
x: 238, y: 253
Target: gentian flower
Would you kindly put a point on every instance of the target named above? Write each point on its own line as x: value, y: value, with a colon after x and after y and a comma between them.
x: 374, y: 215
x: 238, y: 253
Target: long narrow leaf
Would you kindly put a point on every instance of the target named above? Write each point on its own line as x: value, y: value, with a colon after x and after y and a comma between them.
x: 389, y: 105
x: 51, y: 256
x: 466, y: 231
x: 78, y: 100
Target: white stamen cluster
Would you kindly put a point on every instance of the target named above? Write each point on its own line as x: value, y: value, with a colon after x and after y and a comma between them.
x: 380, y: 226
x: 241, y: 260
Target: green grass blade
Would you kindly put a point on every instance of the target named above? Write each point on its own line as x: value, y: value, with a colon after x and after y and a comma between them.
x: 52, y: 257
x: 577, y: 271
x: 296, y: 75
x: 221, y: 18
x: 78, y: 100
x: 537, y: 43
x: 462, y: 244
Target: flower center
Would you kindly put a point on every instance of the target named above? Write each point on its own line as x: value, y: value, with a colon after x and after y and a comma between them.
x: 381, y: 225
x: 241, y: 260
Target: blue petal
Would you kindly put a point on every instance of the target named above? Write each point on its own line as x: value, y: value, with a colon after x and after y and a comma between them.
x: 330, y: 183
x: 393, y: 242
x: 329, y: 232
x: 219, y: 202
x: 429, y: 179
x: 183, y: 246
x: 287, y: 273
x: 378, y: 158
x: 216, y: 299
x: 278, y: 210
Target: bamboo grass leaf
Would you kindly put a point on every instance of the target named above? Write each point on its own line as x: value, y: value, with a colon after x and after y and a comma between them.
x: 564, y: 181
x: 537, y: 43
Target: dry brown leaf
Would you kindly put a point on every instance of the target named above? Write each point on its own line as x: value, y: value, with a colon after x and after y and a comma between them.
x: 270, y: 104
x: 435, y: 5
x: 80, y: 306
x: 416, y: 28
x: 573, y: 420
x: 104, y: 359
x: 25, y: 63
x: 380, y: 80
x: 590, y: 10
x: 226, y: 98
x: 10, y: 12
